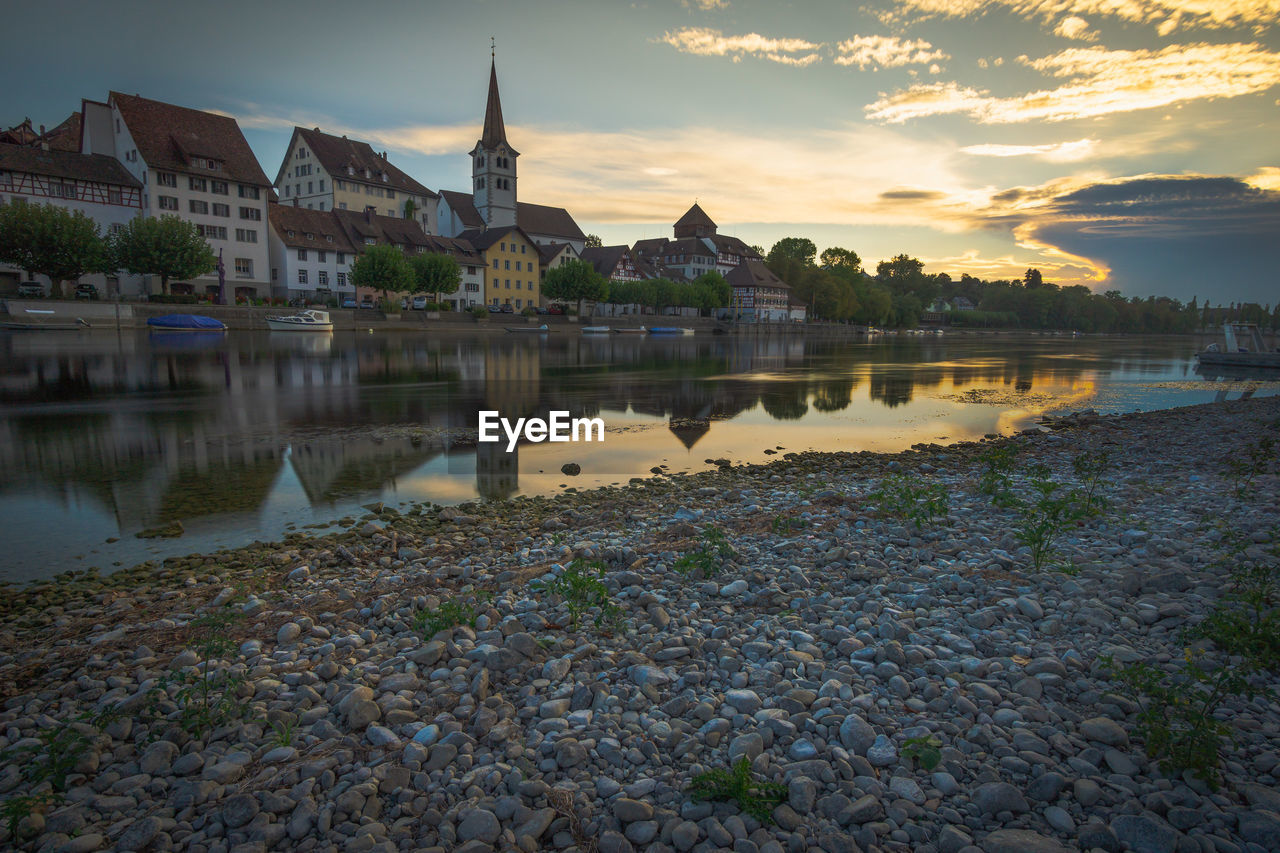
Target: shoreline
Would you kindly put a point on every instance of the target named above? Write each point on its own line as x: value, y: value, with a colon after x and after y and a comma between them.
x: 822, y: 616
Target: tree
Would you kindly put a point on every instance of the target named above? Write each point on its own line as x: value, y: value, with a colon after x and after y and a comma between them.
x: 410, y: 208
x: 797, y: 249
x: 575, y: 280
x: 168, y: 247
x: 711, y: 291
x: 1032, y: 279
x: 382, y: 268
x: 593, y: 241
x: 836, y: 257
x: 52, y: 241
x: 905, y: 274
x: 435, y: 273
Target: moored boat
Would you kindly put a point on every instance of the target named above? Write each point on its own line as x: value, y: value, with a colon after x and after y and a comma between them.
x: 669, y: 330
x: 304, y: 321
x: 639, y: 330
x: 595, y: 330
x: 537, y: 329
x: 186, y: 323
x: 1242, y: 347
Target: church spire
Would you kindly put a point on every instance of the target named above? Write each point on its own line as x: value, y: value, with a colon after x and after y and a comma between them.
x: 495, y: 132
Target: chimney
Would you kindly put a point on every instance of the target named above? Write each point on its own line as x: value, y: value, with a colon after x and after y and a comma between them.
x: 368, y: 215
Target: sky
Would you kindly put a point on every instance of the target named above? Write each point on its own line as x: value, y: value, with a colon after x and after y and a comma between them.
x: 1120, y: 144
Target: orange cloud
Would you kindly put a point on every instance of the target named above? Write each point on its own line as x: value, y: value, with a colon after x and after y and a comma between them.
x: 1166, y: 15
x: 886, y: 52
x: 703, y: 41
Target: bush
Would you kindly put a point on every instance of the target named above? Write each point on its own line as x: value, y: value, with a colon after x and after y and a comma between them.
x: 530, y: 312
x: 173, y: 298
x: 479, y: 311
x: 445, y: 306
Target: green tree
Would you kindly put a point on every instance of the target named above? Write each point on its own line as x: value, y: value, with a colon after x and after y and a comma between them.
x: 410, y: 209
x: 436, y: 273
x: 52, y: 241
x: 845, y: 259
x: 797, y: 249
x: 711, y: 291
x: 575, y: 281
x: 904, y: 275
x: 1032, y: 279
x: 382, y: 268
x: 168, y: 247
x: 593, y: 241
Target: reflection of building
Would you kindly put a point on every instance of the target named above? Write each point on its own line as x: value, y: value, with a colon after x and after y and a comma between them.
x: 689, y: 430
x: 497, y: 471
x: 332, y: 469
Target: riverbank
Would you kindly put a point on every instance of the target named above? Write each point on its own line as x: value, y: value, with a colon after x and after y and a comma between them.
x: 831, y: 636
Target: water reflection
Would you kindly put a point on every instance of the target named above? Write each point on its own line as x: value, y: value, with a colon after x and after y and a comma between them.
x: 110, y: 433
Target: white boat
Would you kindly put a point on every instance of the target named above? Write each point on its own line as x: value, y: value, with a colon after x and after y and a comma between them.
x: 538, y: 329
x: 640, y: 330
x: 303, y: 321
x: 595, y: 330
x: 1243, y: 346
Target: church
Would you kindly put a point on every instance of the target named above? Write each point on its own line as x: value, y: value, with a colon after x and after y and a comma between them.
x: 492, y: 202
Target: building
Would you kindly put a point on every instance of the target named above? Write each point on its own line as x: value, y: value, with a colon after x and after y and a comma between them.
x: 511, y: 260
x: 552, y: 255
x: 472, y: 265
x: 196, y: 166
x: 758, y: 295
x: 326, y: 172
x: 311, y: 255
x: 93, y: 184
x: 697, y: 248
x: 64, y: 137
x: 492, y: 201
x: 618, y: 263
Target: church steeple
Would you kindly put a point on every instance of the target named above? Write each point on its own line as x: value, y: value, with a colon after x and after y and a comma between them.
x: 493, y: 163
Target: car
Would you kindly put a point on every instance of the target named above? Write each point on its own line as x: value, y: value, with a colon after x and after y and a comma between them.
x: 507, y: 309
x: 366, y: 302
x: 86, y: 291
x: 539, y: 310
x: 555, y: 309
x: 31, y: 289
x: 349, y: 302
x: 494, y: 309
x: 420, y: 302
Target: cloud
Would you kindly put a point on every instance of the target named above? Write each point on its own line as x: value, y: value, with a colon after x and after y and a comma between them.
x: 706, y: 5
x: 703, y: 41
x: 1075, y: 27
x: 1101, y: 82
x: 911, y: 195
x: 1053, y: 152
x: 1267, y: 178
x: 1167, y: 16
x: 886, y: 52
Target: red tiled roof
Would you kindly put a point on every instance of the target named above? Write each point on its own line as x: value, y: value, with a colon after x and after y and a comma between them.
x: 694, y: 222
x: 178, y: 138
x: 65, y: 164
x: 337, y: 153
x: 320, y: 224
x: 753, y: 273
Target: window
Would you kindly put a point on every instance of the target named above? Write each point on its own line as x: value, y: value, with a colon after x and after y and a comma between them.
x: 212, y: 232
x: 321, y: 256
x: 471, y: 270
x: 302, y: 153
x: 302, y: 276
x: 507, y: 284
x: 311, y: 187
x: 302, y: 254
x: 309, y: 236
x: 197, y: 206
x: 275, y: 274
x: 248, y: 192
x: 63, y: 190
x: 518, y: 284
x: 117, y: 227
x: 502, y: 247
x: 253, y: 214
x: 212, y: 165
x: 368, y: 190
x: 342, y: 257
x: 244, y: 268
x: 323, y: 278
x: 167, y: 179
x: 370, y: 241
x: 342, y: 205
x: 472, y: 287
x: 495, y: 263
x: 218, y: 187
x: 479, y: 183
x: 337, y: 184
x: 328, y: 238
x: 523, y: 246
x: 198, y: 184
x: 288, y: 190
x: 517, y: 266
x: 321, y: 207
x: 342, y: 279
x: 322, y: 185
x: 391, y: 193
x: 508, y: 265
x: 246, y: 235
x: 221, y: 209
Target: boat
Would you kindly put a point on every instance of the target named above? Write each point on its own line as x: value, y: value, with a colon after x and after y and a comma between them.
x: 38, y: 322
x: 639, y: 330
x: 595, y: 330
x: 186, y: 323
x: 669, y: 330
x: 539, y: 329
x: 304, y: 321
x: 1242, y: 347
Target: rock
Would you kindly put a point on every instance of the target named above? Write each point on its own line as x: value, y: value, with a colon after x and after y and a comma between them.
x: 1047, y: 787
x: 289, y: 632
x: 628, y: 810
x: 1261, y: 827
x: 744, y: 701
x: 749, y: 745
x: 1029, y: 607
x: 1098, y: 835
x: 863, y: 810
x: 1104, y: 730
x: 383, y: 737
x: 685, y: 835
x: 139, y: 834
x: 856, y: 734
x: 479, y: 825
x: 996, y: 797
x: 614, y: 842
x: 239, y: 809
x: 882, y: 752
x: 158, y: 759
x: 571, y: 469
x: 1145, y: 833
x: 733, y: 588
x: 1020, y: 841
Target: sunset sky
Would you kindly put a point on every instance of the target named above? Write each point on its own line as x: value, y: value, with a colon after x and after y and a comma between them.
x: 1129, y: 144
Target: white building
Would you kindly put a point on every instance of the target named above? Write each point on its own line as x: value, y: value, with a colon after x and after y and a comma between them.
x: 93, y: 184
x: 199, y: 167
x: 311, y: 255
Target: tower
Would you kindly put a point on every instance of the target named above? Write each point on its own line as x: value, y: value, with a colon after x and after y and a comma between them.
x: 493, y: 164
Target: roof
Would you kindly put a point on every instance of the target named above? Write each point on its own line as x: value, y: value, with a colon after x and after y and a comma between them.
x: 495, y: 131
x: 464, y: 207
x: 19, y: 134
x: 177, y: 138
x: 652, y: 246
x: 694, y: 223
x: 605, y: 259
x: 548, y: 221
x: 337, y: 153
x: 320, y: 224
x: 98, y: 168
x: 384, y: 230
x: 548, y: 252
x: 732, y: 245
x: 66, y: 136
x: 482, y: 240
x: 753, y: 273
x: 687, y: 246
x: 455, y: 246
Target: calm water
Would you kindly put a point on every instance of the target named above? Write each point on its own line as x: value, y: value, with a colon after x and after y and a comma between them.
x: 240, y: 436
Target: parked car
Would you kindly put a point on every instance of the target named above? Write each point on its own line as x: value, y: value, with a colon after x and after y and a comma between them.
x: 349, y: 302
x: 556, y: 309
x: 366, y: 302
x: 420, y: 302
x: 86, y: 291
x: 494, y: 309
x: 31, y: 289
x: 538, y: 309
x: 507, y: 309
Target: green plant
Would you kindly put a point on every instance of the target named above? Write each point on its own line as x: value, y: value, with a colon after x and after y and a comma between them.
x: 1258, y: 459
x: 917, y: 502
x: 16, y: 808
x: 996, y: 479
x: 736, y: 784
x: 1177, y: 718
x: 784, y: 525
x: 206, y: 698
x: 1091, y: 467
x: 581, y: 589
x: 1246, y: 622
x: 479, y: 311
x: 1044, y: 519
x: 922, y: 750
x: 451, y: 613
x: 710, y: 554
x: 284, y: 730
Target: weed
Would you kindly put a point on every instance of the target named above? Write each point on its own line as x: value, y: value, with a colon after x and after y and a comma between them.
x: 1259, y: 457
x: 1246, y: 622
x: 1091, y: 468
x: 922, y: 750
x: 15, y: 809
x: 996, y: 480
x: 899, y: 496
x: 1044, y: 519
x: 284, y: 730
x: 757, y: 799
x: 581, y: 589
x: 710, y: 554
x: 450, y: 614
x: 206, y: 698
x: 785, y: 525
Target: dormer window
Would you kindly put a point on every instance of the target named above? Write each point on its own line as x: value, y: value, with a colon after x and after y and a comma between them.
x: 351, y: 170
x: 291, y: 233
x: 328, y: 238
x: 309, y: 235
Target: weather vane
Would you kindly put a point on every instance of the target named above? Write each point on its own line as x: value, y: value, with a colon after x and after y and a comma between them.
x: 493, y: 48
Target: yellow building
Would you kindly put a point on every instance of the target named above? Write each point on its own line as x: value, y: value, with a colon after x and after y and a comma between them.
x: 511, y: 266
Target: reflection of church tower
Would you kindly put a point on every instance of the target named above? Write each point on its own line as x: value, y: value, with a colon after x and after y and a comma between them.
x: 493, y: 165
x: 689, y: 430
x: 497, y: 471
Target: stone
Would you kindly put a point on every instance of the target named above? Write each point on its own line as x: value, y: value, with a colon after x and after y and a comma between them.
x: 1145, y: 833
x: 1098, y: 835
x: 1021, y: 841
x: 1104, y: 730
x: 628, y: 810
x: 685, y: 835
x: 239, y: 809
x: 571, y: 469
x: 1047, y: 788
x: 1029, y: 607
x: 158, y: 759
x: 863, y: 810
x: 139, y: 834
x: 744, y: 701
x: 1260, y: 826
x: 288, y: 633
x: 382, y: 736
x: 882, y: 752
x: 479, y: 825
x: 996, y: 797
x: 614, y: 842
x: 856, y: 734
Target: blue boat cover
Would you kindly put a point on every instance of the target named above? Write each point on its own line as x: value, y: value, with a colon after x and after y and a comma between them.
x: 185, y: 321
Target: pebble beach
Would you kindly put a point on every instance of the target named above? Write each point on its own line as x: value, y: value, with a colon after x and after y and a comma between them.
x: 411, y: 683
